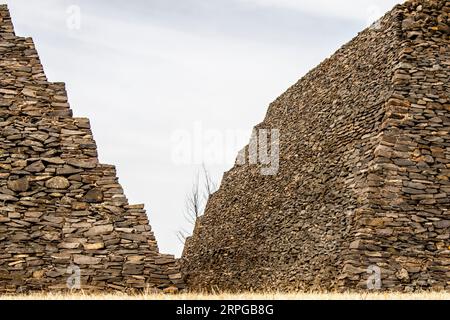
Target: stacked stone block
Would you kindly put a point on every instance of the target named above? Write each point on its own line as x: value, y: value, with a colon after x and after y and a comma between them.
x: 60, y: 209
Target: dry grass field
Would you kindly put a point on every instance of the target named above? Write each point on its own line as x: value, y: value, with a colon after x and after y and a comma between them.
x: 243, y: 296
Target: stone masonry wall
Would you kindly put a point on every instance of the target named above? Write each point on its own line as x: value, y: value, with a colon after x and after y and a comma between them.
x: 59, y: 207
x: 404, y: 225
x: 363, y: 178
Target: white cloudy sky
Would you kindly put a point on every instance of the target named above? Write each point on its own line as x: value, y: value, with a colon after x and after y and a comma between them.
x: 145, y: 71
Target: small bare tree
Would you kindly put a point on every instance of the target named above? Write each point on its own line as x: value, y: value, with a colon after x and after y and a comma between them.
x: 195, y: 203
x: 210, y: 185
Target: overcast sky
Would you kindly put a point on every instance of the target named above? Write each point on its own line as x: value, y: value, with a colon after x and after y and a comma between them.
x: 154, y: 74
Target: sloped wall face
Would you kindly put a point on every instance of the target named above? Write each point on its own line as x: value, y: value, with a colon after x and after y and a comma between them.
x: 405, y: 227
x: 62, y: 213
x: 361, y: 200
x: 290, y: 230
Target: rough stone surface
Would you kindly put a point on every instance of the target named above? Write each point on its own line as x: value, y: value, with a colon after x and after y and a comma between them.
x: 94, y: 196
x: 57, y: 183
x: 59, y: 207
x: 364, y: 173
x: 19, y: 185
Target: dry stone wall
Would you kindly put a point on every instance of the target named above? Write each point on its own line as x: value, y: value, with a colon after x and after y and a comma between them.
x: 363, y: 183
x: 404, y: 224
x: 60, y: 209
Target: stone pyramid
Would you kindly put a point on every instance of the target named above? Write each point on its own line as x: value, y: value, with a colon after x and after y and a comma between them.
x: 62, y: 213
x: 362, y: 196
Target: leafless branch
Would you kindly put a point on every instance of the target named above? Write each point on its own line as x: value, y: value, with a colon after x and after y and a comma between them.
x: 182, y: 236
x: 210, y: 186
x: 195, y: 203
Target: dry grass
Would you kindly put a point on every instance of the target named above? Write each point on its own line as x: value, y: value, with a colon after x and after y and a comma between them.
x: 243, y: 296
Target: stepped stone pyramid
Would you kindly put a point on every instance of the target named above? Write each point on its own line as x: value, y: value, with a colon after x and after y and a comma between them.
x: 60, y: 209
x: 362, y: 194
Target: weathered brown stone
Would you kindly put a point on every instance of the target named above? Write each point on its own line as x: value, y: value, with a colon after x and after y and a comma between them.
x: 99, y: 230
x: 35, y: 167
x: 82, y: 260
x: 444, y: 224
x: 67, y: 170
x: 94, y: 246
x: 82, y: 164
x: 19, y: 185
x: 55, y: 160
x: 94, y: 196
x: 57, y: 183
x: 79, y: 206
x: 7, y: 197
